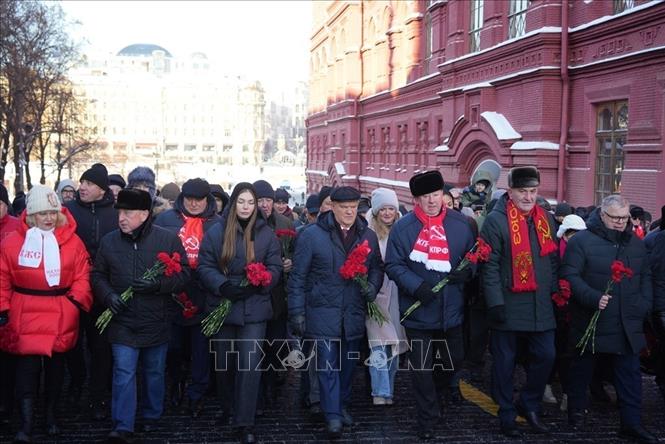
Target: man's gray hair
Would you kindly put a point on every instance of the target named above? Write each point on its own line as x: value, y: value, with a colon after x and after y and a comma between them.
x: 613, y: 200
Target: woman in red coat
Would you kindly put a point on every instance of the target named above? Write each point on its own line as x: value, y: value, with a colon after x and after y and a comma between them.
x: 44, y: 282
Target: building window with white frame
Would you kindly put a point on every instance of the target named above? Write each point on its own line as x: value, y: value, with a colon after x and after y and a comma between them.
x: 517, y: 18
x: 611, y: 132
x: 476, y: 25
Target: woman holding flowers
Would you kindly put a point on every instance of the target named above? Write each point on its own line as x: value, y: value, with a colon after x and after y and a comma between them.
x: 137, y: 268
x: 387, y: 340
x: 44, y: 285
x: 609, y: 276
x: 230, y: 254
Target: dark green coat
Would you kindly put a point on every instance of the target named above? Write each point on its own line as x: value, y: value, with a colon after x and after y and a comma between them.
x: 586, y: 265
x: 524, y: 311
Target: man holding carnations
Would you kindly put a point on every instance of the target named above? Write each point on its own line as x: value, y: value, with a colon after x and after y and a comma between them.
x: 140, y: 326
x: 518, y: 281
x: 610, y: 279
x: 424, y: 247
x: 325, y: 306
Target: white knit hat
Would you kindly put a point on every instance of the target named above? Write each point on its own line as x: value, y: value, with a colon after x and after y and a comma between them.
x: 383, y: 197
x: 571, y: 222
x: 41, y: 198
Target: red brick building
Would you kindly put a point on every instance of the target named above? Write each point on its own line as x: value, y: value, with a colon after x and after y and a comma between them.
x: 398, y: 87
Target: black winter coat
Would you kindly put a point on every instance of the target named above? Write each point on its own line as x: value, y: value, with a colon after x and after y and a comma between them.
x: 587, y: 266
x: 93, y: 220
x: 524, y: 311
x: 658, y: 272
x: 447, y: 310
x: 173, y: 221
x: 257, y: 306
x: 121, y: 258
x: 331, y: 304
x: 278, y: 295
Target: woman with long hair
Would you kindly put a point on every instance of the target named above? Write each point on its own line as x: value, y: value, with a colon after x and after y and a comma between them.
x: 388, y: 340
x: 44, y: 284
x: 241, y: 238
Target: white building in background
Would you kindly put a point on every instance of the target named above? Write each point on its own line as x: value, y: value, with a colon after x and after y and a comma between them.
x: 183, y: 117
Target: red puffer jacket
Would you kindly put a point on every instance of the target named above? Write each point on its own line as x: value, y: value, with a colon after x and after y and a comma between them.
x: 39, y: 324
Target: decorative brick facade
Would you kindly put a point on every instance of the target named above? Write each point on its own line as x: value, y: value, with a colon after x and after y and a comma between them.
x: 395, y: 90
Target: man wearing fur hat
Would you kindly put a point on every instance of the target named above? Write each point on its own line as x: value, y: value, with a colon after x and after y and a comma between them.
x: 95, y: 216
x: 140, y: 327
x: 425, y: 246
x: 518, y: 281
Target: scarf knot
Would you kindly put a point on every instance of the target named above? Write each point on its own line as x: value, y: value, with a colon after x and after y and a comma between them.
x: 431, y: 246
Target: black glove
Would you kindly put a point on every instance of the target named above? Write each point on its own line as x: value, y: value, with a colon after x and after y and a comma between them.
x: 76, y: 304
x: 235, y: 292
x: 4, y: 317
x: 115, y: 303
x: 425, y: 294
x: 368, y: 293
x: 659, y: 323
x: 297, y: 324
x: 497, y: 314
x: 460, y: 276
x: 146, y: 286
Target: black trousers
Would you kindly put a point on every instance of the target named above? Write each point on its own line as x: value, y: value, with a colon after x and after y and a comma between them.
x: 7, y: 380
x: 238, y: 354
x: 428, y: 346
x: 541, y: 352
x: 627, y: 382
x: 28, y: 370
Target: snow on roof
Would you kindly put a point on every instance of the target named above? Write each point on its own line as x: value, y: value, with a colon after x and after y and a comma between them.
x: 534, y: 146
x: 502, y: 128
x: 441, y: 148
x: 395, y: 183
x: 606, y: 18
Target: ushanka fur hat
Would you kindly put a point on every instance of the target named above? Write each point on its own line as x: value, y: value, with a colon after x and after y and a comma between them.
x: 133, y: 199
x: 523, y: 177
x: 425, y: 183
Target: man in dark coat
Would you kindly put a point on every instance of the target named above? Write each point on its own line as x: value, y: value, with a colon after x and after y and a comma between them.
x: 658, y: 275
x: 140, y: 327
x: 518, y: 281
x: 619, y: 335
x: 93, y: 211
x: 194, y: 212
x: 425, y: 246
x: 333, y: 310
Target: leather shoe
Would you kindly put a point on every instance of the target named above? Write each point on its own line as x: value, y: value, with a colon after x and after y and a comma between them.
x: 347, y: 419
x: 191, y: 407
x: 536, y: 424
x: 334, y: 428
x: 510, y: 431
x: 638, y: 433
x: 247, y: 435
x: 99, y: 410
x: 121, y: 436
x: 148, y: 425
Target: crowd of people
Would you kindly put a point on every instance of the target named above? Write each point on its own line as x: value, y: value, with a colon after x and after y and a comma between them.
x: 192, y: 282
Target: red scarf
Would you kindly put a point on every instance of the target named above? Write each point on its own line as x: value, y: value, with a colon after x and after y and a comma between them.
x: 191, y: 235
x: 431, y: 247
x: 524, y: 276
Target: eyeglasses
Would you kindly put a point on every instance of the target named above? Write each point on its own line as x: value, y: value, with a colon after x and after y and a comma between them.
x: 617, y: 219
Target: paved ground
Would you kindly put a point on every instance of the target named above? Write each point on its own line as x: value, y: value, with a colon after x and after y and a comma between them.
x: 287, y: 422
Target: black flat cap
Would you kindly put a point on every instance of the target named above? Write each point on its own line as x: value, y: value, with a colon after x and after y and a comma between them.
x: 344, y: 194
x: 196, y: 188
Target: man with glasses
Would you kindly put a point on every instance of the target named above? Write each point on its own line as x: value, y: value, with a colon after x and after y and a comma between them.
x: 619, y: 334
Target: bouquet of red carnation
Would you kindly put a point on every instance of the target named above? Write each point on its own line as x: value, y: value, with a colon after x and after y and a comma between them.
x: 286, y: 238
x: 480, y: 252
x: 166, y: 265
x: 562, y: 297
x: 188, y: 307
x: 257, y: 275
x: 354, y: 268
x: 619, y: 271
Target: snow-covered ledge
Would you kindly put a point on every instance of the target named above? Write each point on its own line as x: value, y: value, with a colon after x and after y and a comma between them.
x: 525, y: 146
x: 441, y: 148
x: 317, y: 172
x: 502, y: 128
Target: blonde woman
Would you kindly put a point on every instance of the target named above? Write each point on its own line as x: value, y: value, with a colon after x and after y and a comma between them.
x: 44, y: 284
x: 386, y: 341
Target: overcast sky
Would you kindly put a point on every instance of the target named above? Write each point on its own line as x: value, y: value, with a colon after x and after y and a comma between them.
x: 268, y: 41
